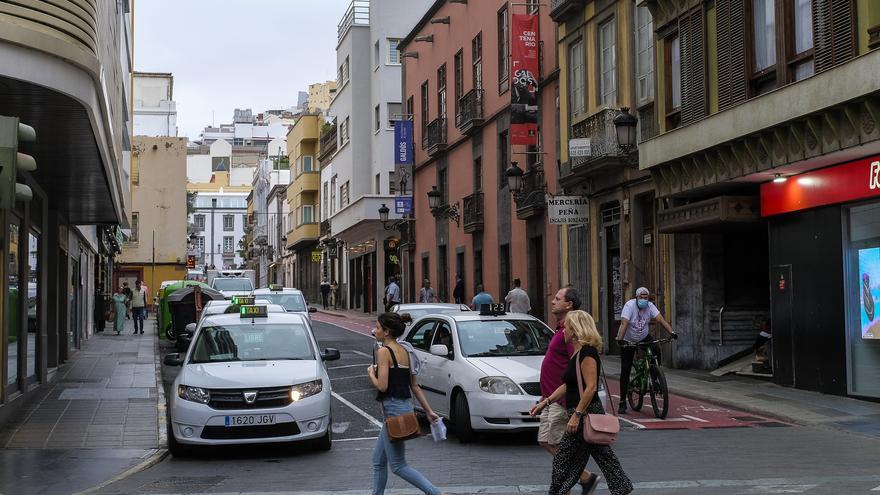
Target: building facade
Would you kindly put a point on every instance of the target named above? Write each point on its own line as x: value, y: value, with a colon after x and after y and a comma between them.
x: 320, y: 95
x: 71, y: 83
x: 263, y: 219
x: 458, y: 89
x: 761, y: 107
x: 303, y: 203
x: 154, y: 108
x: 220, y: 216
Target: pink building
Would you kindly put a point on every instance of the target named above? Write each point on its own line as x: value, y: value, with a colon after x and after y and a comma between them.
x: 457, y: 87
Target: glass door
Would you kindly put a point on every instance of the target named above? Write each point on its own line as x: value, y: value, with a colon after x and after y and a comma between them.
x: 17, y: 289
x: 863, y: 301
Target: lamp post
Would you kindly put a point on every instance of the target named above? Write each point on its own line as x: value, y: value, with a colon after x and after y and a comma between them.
x: 442, y: 211
x: 514, y: 178
x: 625, y: 125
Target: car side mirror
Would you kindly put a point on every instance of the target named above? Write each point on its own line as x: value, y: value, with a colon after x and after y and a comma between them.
x: 312, y: 309
x: 440, y: 350
x: 330, y: 354
x: 173, y: 359
x: 190, y: 328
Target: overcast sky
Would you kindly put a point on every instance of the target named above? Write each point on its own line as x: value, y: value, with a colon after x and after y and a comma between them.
x: 228, y: 54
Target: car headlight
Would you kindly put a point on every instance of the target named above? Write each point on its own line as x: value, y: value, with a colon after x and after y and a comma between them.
x: 499, y: 385
x: 193, y: 394
x: 308, y: 389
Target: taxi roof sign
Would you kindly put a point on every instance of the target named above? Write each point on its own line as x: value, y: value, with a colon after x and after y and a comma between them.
x: 494, y: 309
x: 251, y: 311
x: 242, y: 300
x: 275, y: 287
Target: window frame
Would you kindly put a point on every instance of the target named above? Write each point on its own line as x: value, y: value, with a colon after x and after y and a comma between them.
x: 231, y: 218
x: 442, y: 101
x: 767, y: 79
x: 389, y: 60
x: 579, y: 109
x: 503, y: 20
x: 477, y: 61
x: 673, y: 114
x: 611, y: 21
x: 425, y: 104
x: 199, y: 221
x: 231, y: 243
x: 649, y: 75
x: 458, y: 79
x: 134, y: 236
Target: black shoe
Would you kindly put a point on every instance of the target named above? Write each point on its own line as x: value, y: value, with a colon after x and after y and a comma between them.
x: 590, y: 485
x: 621, y: 409
x: 142, y: 332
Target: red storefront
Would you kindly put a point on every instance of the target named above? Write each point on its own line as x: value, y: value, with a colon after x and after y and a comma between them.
x: 825, y: 277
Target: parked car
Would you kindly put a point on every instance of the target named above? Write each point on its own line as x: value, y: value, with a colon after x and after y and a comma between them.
x: 417, y: 310
x: 292, y: 299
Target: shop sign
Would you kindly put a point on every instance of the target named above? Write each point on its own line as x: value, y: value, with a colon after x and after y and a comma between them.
x: 403, y: 205
x: 564, y: 210
x: 578, y: 148
x: 403, y: 142
x: 524, y: 80
x: 316, y: 256
x: 851, y: 181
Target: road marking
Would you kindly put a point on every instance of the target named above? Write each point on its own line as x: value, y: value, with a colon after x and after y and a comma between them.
x: 346, y: 377
x: 340, y: 428
x: 875, y: 489
x: 349, y: 366
x: 661, y: 420
x: 357, y: 410
x: 694, y: 418
x: 631, y: 423
x: 353, y: 439
x: 359, y: 353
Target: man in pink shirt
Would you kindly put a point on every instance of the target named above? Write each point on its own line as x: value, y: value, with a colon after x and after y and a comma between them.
x: 555, y: 417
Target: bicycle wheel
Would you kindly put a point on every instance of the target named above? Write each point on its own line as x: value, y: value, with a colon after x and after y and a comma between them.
x: 636, y: 393
x: 659, y: 392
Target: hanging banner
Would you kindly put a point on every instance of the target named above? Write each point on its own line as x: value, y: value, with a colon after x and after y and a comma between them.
x: 403, y: 142
x: 524, y: 79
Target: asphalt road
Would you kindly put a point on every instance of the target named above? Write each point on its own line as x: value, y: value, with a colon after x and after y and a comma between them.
x: 727, y: 459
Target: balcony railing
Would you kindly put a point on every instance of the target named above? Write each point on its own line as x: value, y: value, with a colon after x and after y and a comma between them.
x: 328, y: 143
x: 533, y: 198
x: 434, y: 140
x: 325, y: 228
x: 599, y: 129
x: 358, y: 14
x: 473, y: 213
x: 470, y: 111
x: 561, y: 10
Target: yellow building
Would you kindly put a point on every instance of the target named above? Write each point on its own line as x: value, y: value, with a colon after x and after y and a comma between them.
x: 156, y: 249
x: 320, y: 96
x: 303, y: 199
x: 601, y: 45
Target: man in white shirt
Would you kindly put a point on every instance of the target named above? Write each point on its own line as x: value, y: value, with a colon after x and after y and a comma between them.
x: 426, y: 294
x: 634, y: 319
x: 392, y: 294
x: 517, y: 299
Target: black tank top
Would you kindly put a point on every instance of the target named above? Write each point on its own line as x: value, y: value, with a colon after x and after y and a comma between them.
x: 398, y: 381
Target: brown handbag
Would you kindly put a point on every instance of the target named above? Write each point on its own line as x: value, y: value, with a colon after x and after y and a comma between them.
x: 403, y: 427
x: 599, y: 429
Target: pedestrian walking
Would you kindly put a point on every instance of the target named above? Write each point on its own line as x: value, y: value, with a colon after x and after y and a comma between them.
x: 139, y: 306
x: 634, y: 319
x: 517, y: 299
x: 481, y: 298
x: 127, y: 291
x: 574, y: 452
x: 392, y: 294
x: 458, y: 291
x: 426, y: 294
x: 334, y: 289
x: 120, y: 305
x: 325, y: 293
x: 396, y: 385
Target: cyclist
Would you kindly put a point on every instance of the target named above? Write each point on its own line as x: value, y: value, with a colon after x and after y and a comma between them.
x: 634, y: 319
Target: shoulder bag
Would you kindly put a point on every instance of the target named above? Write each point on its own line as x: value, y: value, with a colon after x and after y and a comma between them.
x: 600, y: 429
x: 403, y: 427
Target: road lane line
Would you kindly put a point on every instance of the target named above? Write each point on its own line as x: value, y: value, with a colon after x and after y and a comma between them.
x: 662, y: 420
x: 359, y: 353
x: 353, y: 439
x: 348, y: 366
x: 633, y: 423
x: 357, y: 409
x: 694, y: 418
x: 875, y: 489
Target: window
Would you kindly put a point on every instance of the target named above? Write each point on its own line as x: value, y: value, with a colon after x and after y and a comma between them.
x: 478, y: 265
x: 344, y: 131
x: 134, y: 227
x: 343, y: 195
x: 608, y: 63
x: 478, y: 174
x: 802, y: 60
x: 307, y: 163
x: 244, y: 220
x: 764, y: 31
x: 576, y: 78
x: 228, y: 223
x: 342, y: 73
x: 228, y: 243
x: 378, y: 184
x: 443, y: 185
x: 333, y: 195
x: 503, y: 161
x: 420, y: 338
x: 377, y: 122
x: 504, y: 275
x: 393, y: 52
x: 199, y: 221
x: 532, y: 6
x: 395, y: 112
x: 376, y: 55
x: 424, y: 108
x: 477, y: 57
x: 644, y: 56
x: 200, y: 245
x: 459, y: 78
x: 410, y: 109
x: 441, y: 91
x: 308, y: 214
x: 325, y: 210
x: 392, y: 186
x: 503, y: 50
x: 673, y: 88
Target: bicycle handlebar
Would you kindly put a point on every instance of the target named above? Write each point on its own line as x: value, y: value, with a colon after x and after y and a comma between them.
x: 646, y: 344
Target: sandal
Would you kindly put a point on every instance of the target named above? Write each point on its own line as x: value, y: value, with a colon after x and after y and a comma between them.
x: 590, y: 485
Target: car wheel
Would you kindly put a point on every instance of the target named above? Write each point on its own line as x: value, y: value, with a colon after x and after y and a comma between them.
x: 324, y: 443
x: 177, y: 449
x: 462, y: 421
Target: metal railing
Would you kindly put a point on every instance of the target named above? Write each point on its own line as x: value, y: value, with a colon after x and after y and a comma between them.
x: 327, y: 142
x: 325, y: 228
x: 358, y: 14
x: 473, y: 210
x: 599, y: 128
x: 534, y: 192
x: 435, y: 134
x: 470, y: 108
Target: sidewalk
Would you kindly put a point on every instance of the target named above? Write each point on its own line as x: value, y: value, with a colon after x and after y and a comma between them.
x: 105, y: 397
x: 351, y: 314
x: 760, y: 397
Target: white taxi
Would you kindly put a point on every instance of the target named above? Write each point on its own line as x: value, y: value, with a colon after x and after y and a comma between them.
x: 293, y: 300
x: 481, y: 369
x: 252, y: 377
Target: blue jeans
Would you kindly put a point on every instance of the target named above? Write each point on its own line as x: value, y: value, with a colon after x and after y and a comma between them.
x: 139, y: 314
x: 386, y: 452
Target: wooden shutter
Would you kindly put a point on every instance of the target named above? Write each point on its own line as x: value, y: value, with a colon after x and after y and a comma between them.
x: 691, y: 32
x: 834, y: 36
x: 732, y: 70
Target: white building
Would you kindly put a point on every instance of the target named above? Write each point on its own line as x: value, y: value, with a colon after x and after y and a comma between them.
x: 360, y: 175
x: 266, y: 239
x: 219, y: 218
x: 155, y: 112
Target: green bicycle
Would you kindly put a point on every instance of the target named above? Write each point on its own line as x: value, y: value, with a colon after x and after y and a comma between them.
x: 647, y: 377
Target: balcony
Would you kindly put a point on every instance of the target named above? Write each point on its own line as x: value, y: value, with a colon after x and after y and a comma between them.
x: 708, y: 215
x: 434, y: 140
x: 307, y: 182
x: 532, y: 200
x: 358, y: 14
x: 328, y: 143
x: 325, y: 228
x: 604, y: 152
x: 562, y: 10
x: 303, y: 235
x: 470, y: 112
x: 473, y: 213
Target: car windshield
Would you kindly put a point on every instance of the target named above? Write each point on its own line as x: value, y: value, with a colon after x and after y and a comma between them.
x: 291, y: 302
x: 252, y: 342
x: 239, y: 284
x: 486, y: 338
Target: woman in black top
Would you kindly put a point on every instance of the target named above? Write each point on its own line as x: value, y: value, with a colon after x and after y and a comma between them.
x: 396, y: 385
x: 573, y: 454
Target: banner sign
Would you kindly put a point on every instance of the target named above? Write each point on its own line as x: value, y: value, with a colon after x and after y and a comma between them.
x: 403, y: 205
x: 524, y: 79
x: 563, y: 210
x: 403, y: 142
x: 578, y: 148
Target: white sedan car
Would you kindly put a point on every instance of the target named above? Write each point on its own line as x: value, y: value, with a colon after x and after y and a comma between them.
x: 252, y: 377
x: 479, y: 370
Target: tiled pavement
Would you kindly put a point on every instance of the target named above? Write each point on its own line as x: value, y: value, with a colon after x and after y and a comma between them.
x: 104, y: 397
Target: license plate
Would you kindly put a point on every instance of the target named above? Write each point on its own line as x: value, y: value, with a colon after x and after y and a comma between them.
x: 251, y: 420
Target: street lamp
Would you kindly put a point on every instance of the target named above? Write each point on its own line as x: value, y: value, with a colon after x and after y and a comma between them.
x: 383, y: 213
x: 434, y: 198
x: 625, y: 125
x: 442, y: 211
x: 514, y: 178
x: 396, y: 225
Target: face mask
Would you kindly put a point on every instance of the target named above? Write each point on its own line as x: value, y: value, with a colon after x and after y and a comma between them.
x: 643, y: 303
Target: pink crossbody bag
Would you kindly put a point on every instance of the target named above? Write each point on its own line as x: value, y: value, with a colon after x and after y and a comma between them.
x: 601, y: 429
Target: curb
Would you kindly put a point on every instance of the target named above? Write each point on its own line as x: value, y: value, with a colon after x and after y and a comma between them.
x: 160, y: 392
x: 147, y: 463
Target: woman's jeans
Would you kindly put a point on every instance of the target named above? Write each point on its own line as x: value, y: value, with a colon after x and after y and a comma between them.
x: 385, y: 452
